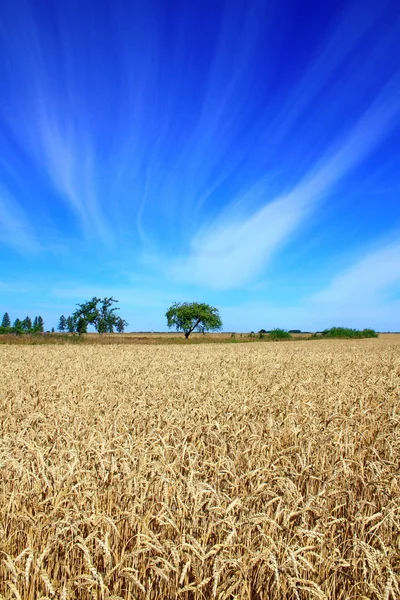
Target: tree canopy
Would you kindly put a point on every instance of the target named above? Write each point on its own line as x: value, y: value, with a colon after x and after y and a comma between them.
x: 62, y: 324
x: 192, y: 316
x: 100, y: 313
x: 6, y: 320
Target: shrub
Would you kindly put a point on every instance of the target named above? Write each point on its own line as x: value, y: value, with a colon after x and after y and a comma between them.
x: 369, y: 333
x: 347, y: 332
x: 279, y: 334
x: 6, y: 329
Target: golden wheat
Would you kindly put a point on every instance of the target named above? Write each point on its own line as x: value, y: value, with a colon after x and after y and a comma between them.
x: 257, y: 471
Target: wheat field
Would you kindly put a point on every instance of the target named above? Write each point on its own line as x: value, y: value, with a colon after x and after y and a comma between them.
x: 248, y: 471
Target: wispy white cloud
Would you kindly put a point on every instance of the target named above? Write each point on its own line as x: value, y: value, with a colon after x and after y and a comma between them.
x: 15, y: 229
x: 68, y: 159
x: 366, y: 294
x: 50, y: 122
x: 367, y: 282
x: 236, y: 247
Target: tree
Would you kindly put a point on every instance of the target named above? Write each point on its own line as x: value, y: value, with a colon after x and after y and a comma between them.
x: 191, y: 316
x: 17, y: 326
x: 98, y: 313
x: 71, y: 324
x: 6, y: 322
x: 62, y: 324
x: 40, y: 324
x: 81, y: 326
x: 120, y: 325
x: 27, y: 324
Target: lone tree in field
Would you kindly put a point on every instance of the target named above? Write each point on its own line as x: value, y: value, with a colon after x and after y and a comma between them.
x: 191, y: 316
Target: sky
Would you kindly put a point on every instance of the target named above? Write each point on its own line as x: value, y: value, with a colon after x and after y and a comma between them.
x: 241, y: 153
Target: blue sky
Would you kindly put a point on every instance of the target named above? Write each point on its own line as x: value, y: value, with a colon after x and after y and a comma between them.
x: 242, y: 153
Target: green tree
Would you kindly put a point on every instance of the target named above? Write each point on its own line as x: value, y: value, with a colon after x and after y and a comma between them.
x: 98, y: 312
x: 120, y: 325
x: 62, y: 324
x: 6, y: 322
x: 191, y: 316
x: 27, y: 324
x: 40, y: 324
x: 71, y: 324
x: 81, y: 326
x: 17, y: 326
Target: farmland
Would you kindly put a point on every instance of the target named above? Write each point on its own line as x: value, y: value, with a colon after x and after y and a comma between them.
x: 249, y: 471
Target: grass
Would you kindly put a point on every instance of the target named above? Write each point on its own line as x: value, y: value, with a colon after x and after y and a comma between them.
x: 263, y: 471
x: 123, y: 339
x: 274, y: 335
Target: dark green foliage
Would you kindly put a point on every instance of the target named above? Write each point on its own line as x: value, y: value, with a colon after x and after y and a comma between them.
x: 120, y: 325
x: 262, y: 331
x: 346, y: 332
x: 38, y: 325
x: 62, y: 324
x: 98, y: 313
x: 71, y: 325
x: 81, y: 326
x: 193, y: 316
x: 27, y: 324
x: 6, y: 322
x: 294, y: 330
x: 5, y: 326
x: 369, y: 333
x: 22, y: 327
x: 18, y: 327
x: 279, y: 334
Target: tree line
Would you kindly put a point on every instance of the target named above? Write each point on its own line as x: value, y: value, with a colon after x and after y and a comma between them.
x: 97, y: 312
x: 101, y: 314
x: 21, y: 326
